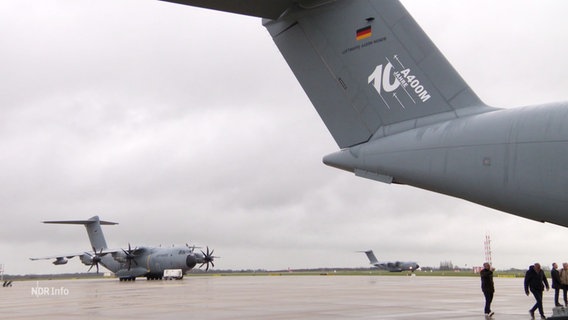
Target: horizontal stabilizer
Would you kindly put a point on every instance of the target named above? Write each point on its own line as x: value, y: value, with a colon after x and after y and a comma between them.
x: 270, y: 9
x: 83, y: 222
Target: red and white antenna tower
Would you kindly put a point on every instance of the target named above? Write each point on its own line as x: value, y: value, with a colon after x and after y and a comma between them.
x: 488, y: 249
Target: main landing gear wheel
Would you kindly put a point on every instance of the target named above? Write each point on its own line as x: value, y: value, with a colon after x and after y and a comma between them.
x: 127, y: 279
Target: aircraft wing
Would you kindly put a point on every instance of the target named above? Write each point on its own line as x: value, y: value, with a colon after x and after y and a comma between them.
x: 271, y: 9
x: 68, y: 256
x: 72, y: 255
x: 139, y: 250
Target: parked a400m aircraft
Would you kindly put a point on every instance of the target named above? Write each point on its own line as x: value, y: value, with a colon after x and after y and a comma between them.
x: 402, y: 114
x: 391, y: 266
x: 149, y: 262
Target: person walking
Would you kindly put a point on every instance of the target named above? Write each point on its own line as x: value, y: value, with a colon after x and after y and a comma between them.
x: 556, y: 283
x: 535, y: 281
x: 487, y: 287
x: 564, y: 281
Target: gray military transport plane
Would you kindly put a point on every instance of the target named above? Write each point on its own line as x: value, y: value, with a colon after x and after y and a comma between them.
x: 149, y: 262
x: 394, y: 266
x: 400, y: 112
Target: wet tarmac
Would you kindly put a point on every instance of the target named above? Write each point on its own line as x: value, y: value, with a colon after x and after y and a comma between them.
x: 267, y: 297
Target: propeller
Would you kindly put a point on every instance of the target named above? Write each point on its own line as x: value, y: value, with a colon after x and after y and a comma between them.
x: 207, y: 259
x: 129, y: 256
x: 95, y: 259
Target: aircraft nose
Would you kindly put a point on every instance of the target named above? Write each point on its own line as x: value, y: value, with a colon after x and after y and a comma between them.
x: 190, y: 261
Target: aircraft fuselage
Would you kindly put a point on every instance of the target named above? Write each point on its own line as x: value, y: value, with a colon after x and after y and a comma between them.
x: 151, y: 263
x: 514, y: 160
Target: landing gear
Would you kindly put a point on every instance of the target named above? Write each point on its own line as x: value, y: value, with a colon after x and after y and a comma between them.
x: 153, y: 277
x: 127, y: 279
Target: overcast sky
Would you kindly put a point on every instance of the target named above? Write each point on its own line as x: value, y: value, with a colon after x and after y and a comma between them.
x: 186, y: 125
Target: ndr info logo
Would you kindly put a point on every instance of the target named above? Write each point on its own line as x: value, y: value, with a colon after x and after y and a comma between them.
x: 38, y: 291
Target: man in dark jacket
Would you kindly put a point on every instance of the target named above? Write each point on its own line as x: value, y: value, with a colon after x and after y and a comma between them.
x: 487, y: 287
x: 535, y: 281
x: 556, y: 284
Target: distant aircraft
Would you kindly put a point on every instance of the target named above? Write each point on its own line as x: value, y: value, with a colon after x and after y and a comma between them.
x: 402, y: 114
x: 149, y: 262
x: 395, y: 266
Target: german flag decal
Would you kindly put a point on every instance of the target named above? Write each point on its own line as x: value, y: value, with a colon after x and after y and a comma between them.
x: 364, y: 33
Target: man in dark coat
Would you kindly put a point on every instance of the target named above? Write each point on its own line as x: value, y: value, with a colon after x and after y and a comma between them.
x: 487, y: 287
x: 535, y: 281
x: 556, y: 284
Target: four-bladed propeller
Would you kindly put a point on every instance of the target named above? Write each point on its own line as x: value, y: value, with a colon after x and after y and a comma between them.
x: 207, y: 259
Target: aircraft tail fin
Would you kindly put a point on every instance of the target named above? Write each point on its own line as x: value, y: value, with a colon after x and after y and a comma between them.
x: 93, y: 226
x: 372, y: 259
x: 368, y: 68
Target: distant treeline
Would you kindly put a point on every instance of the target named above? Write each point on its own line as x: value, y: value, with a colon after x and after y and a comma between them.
x: 316, y: 271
